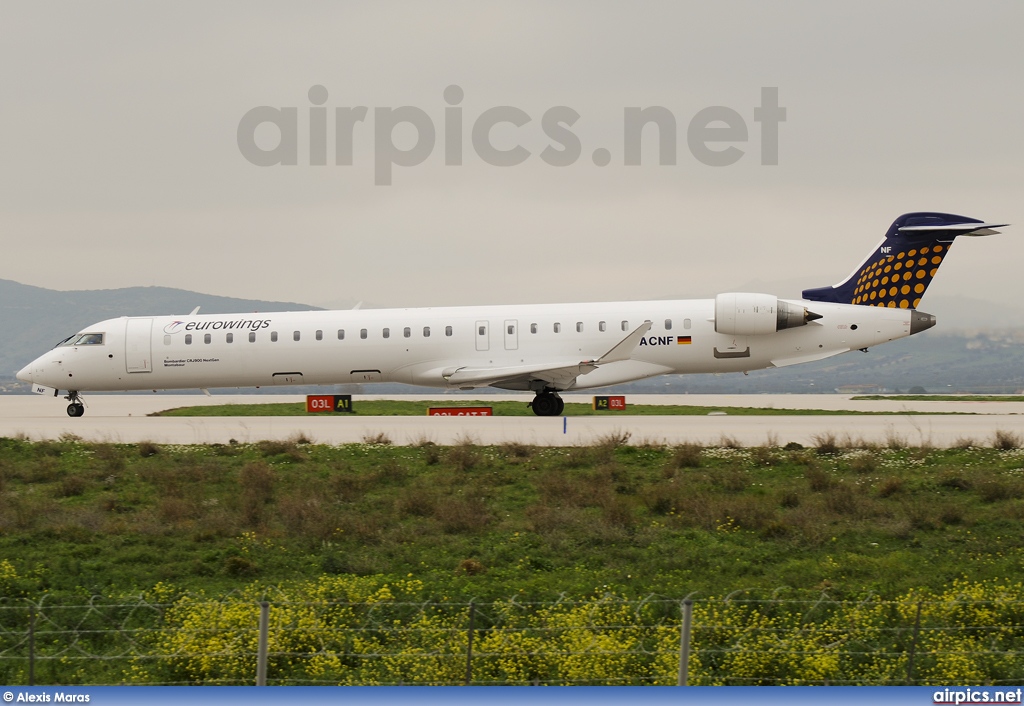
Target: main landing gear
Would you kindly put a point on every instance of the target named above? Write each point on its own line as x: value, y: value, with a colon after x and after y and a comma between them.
x: 547, y: 403
x: 76, y: 408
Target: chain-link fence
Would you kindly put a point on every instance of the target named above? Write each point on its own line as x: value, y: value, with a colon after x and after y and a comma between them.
x: 605, y: 640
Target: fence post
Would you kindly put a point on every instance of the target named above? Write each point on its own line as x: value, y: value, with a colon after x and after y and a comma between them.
x: 261, y: 656
x: 32, y: 646
x: 913, y: 645
x: 469, y: 649
x: 684, y: 643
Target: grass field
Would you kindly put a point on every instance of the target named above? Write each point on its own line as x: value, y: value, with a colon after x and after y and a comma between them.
x: 504, y: 408
x: 943, y: 398
x: 491, y: 522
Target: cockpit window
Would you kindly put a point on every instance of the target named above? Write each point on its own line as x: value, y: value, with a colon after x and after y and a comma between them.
x: 67, y: 341
x: 89, y: 339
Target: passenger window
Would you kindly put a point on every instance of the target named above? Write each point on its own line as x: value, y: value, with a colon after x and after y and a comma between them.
x: 341, y: 334
x: 558, y: 328
x: 686, y: 323
x: 482, y: 331
x: 447, y: 330
x: 319, y: 335
x: 167, y: 340
x: 533, y: 328
x: 252, y: 337
x: 188, y: 339
x: 579, y: 327
x: 668, y: 324
x: 511, y: 329
x: 407, y: 332
x: 601, y: 326
x: 295, y: 336
x: 625, y: 325
x: 207, y: 338
x: 387, y: 333
x: 273, y: 336
x: 426, y: 332
x: 230, y: 338
x: 362, y: 333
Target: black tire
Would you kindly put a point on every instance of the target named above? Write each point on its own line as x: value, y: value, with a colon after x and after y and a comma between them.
x: 560, y: 407
x: 545, y: 404
x: 76, y: 409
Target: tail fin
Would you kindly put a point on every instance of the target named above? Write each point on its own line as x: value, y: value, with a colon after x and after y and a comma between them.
x: 900, y: 268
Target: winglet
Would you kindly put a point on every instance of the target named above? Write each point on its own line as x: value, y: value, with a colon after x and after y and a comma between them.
x: 195, y: 311
x: 624, y: 348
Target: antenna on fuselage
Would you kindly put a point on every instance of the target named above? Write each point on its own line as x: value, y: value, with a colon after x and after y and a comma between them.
x: 195, y: 311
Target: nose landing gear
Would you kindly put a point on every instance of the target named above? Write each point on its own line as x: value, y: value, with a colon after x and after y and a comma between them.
x: 547, y: 403
x: 76, y: 408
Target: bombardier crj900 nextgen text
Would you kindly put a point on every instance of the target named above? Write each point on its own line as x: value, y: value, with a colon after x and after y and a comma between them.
x: 545, y: 349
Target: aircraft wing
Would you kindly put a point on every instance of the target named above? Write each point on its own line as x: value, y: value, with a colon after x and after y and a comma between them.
x: 559, y: 374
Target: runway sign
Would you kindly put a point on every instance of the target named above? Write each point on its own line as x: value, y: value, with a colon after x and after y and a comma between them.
x: 328, y: 403
x: 610, y: 403
x: 460, y: 412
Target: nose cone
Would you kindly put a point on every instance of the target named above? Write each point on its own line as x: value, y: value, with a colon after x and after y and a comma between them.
x: 920, y: 321
x: 25, y: 374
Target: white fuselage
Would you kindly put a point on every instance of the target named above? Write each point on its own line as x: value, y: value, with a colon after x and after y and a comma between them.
x: 424, y: 346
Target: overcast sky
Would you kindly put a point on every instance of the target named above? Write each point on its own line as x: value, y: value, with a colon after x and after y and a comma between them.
x: 120, y: 161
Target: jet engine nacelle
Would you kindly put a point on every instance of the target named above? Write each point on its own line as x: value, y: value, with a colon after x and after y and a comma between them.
x: 745, y: 314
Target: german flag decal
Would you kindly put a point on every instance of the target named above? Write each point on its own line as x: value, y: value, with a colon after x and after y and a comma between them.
x: 683, y: 340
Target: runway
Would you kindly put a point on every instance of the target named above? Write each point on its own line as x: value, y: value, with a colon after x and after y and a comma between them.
x: 122, y: 419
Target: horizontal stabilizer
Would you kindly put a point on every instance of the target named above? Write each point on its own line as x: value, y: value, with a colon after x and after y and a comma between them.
x: 958, y: 228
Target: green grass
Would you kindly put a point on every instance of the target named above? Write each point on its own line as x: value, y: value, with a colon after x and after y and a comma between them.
x: 492, y: 522
x: 943, y: 398
x: 502, y: 408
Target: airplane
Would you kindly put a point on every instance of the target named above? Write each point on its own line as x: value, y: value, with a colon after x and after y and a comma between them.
x: 545, y: 349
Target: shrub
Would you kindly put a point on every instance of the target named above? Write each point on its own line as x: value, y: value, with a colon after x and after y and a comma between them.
x: 819, y: 480
x: 687, y: 456
x: 890, y: 486
x: 964, y: 443
x: 240, y: 566
x: 470, y: 567
x: 1006, y: 440
x: 864, y: 463
x: 378, y: 439
x: 72, y: 486
x: 514, y: 449
x: 257, y: 479
x: 789, y: 499
x: 289, y: 449
x: 463, y: 457
x: 841, y: 500
x: 826, y: 443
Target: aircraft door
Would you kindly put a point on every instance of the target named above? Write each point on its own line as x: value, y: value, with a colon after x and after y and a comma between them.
x: 483, y: 336
x: 511, y: 335
x: 138, y: 346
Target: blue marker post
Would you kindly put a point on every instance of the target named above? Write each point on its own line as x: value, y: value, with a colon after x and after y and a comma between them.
x: 565, y: 425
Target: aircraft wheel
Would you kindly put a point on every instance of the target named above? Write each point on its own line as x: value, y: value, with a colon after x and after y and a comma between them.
x: 547, y: 404
x: 76, y: 409
x: 561, y: 406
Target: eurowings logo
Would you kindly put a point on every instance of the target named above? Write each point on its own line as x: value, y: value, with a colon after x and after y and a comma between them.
x: 173, y: 327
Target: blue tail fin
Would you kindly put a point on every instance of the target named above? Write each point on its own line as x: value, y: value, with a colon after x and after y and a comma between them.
x: 898, y: 271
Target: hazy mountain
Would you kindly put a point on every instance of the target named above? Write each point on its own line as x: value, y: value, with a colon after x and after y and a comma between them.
x: 34, y: 319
